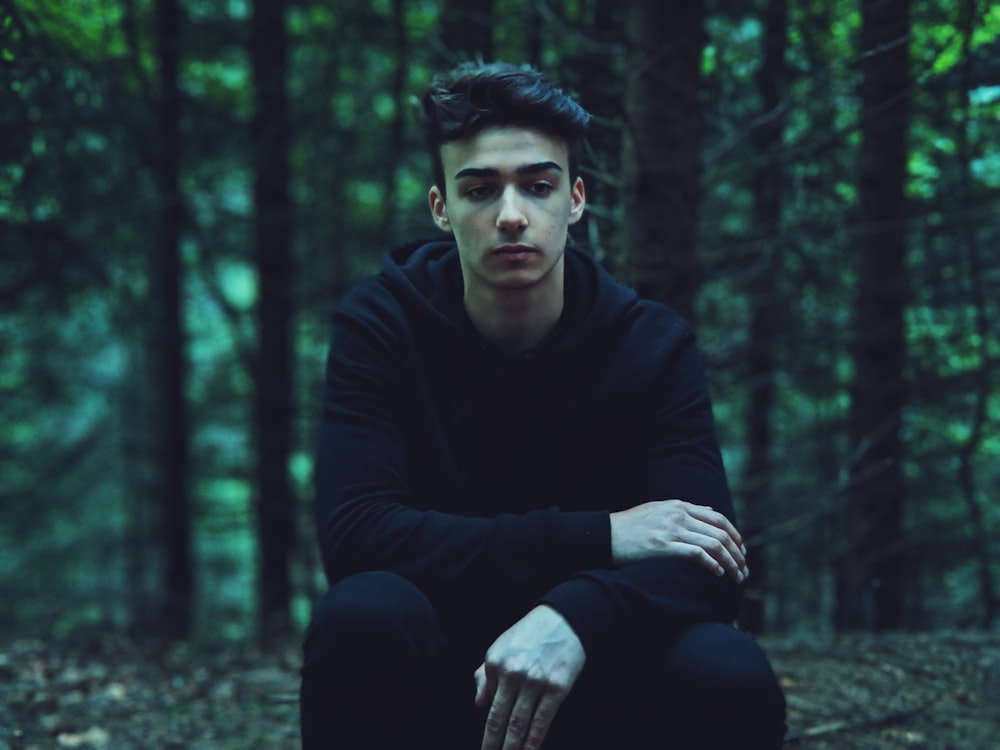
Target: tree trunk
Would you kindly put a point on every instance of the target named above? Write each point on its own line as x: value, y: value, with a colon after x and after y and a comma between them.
x: 273, y: 246
x: 467, y: 30
x: 533, y: 32
x: 764, y: 325
x: 174, y: 461
x: 590, y: 70
x: 396, y: 143
x: 978, y: 518
x: 870, y: 581
x: 661, y: 170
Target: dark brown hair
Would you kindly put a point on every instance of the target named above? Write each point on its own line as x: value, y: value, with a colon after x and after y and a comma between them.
x: 473, y: 96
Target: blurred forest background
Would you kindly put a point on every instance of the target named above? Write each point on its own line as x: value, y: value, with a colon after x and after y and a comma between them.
x: 188, y: 186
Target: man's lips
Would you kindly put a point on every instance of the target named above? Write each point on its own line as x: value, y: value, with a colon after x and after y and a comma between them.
x: 513, y: 251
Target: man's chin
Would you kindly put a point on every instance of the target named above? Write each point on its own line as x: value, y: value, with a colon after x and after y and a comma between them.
x: 521, y: 280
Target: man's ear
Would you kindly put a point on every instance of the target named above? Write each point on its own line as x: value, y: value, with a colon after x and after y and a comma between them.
x: 439, y: 209
x: 578, y: 196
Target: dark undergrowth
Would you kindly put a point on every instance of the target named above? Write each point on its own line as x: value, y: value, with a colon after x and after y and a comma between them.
x: 101, y: 692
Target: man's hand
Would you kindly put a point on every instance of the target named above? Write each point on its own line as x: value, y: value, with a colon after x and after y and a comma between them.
x: 528, y: 672
x: 674, y: 528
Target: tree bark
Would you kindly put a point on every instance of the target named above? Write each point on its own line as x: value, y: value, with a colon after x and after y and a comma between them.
x: 590, y: 70
x: 396, y: 143
x: 273, y: 247
x: 661, y: 169
x: 870, y: 580
x: 174, y: 461
x: 764, y: 325
x: 534, y: 35
x: 467, y: 30
x: 978, y: 519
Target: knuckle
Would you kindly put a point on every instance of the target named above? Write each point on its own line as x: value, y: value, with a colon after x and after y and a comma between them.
x: 558, y: 688
x: 506, y: 668
x: 494, y: 724
x: 516, y: 726
x: 514, y: 675
x: 536, y: 678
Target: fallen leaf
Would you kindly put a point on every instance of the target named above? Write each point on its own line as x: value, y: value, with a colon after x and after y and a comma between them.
x: 94, y: 737
x: 116, y: 691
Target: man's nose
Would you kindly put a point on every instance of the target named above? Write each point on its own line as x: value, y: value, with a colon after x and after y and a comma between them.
x: 511, y: 216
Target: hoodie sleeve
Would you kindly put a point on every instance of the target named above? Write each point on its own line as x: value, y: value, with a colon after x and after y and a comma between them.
x: 367, y: 518
x: 681, y: 460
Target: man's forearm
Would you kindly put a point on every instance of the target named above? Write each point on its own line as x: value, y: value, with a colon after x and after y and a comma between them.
x: 430, y: 548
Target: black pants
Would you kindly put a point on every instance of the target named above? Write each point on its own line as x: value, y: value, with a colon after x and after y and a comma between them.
x: 382, y: 669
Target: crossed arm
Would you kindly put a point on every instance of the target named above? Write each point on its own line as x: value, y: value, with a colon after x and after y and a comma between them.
x: 531, y: 668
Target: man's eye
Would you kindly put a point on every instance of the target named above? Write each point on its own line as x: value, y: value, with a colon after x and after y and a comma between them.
x: 479, y: 192
x: 540, y: 188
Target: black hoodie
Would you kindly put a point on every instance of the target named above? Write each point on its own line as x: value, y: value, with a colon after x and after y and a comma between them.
x: 487, y: 478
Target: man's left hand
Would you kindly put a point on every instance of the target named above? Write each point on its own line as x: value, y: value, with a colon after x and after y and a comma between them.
x: 528, y: 672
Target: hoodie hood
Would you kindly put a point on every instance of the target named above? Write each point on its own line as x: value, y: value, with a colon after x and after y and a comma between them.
x: 427, y: 278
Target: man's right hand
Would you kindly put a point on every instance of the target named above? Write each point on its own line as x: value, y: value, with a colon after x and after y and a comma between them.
x: 674, y: 528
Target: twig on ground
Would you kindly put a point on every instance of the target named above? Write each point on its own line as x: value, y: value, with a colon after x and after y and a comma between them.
x: 872, y: 722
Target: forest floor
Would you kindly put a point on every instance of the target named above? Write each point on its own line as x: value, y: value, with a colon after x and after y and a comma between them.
x: 935, y: 691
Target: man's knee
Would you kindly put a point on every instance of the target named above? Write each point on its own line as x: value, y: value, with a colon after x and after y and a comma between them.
x: 371, y: 623
x: 372, y: 658
x: 714, y: 690
x: 725, y: 675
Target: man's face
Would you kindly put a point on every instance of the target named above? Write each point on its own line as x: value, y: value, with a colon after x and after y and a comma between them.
x: 510, y: 202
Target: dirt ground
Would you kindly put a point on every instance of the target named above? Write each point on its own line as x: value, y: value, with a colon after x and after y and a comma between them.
x: 934, y: 691
x: 863, y: 692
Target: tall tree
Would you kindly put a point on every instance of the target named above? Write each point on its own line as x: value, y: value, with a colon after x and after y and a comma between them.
x: 969, y: 235
x: 661, y: 170
x: 174, y: 499
x: 591, y: 68
x: 870, y: 576
x: 467, y: 30
x: 768, y: 178
x: 271, y: 136
x: 396, y: 141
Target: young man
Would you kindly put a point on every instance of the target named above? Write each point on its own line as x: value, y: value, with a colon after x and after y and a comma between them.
x: 522, y: 508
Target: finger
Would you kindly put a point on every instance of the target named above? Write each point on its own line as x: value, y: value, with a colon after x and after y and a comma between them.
x: 717, y: 550
x: 696, y: 553
x: 706, y: 521
x: 717, y: 525
x: 482, y: 686
x: 498, y: 716
x: 710, y: 515
x: 730, y: 544
x: 521, y: 718
x: 545, y: 712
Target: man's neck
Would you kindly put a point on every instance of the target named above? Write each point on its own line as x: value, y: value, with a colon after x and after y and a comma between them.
x: 517, y: 320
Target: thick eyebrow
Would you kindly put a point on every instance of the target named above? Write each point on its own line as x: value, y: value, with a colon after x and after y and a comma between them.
x: 542, y: 166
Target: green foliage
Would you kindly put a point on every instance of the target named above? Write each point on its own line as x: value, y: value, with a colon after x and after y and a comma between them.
x: 93, y: 29
x: 79, y: 541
